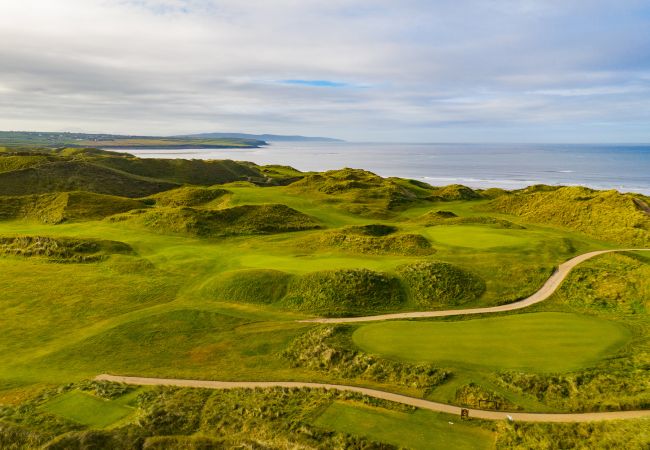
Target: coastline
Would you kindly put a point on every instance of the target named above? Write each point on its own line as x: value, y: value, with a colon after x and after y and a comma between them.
x: 477, y: 166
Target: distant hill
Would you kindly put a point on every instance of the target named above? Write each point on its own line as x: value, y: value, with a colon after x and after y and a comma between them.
x: 260, y: 137
x: 46, y: 170
x: 79, y: 140
x: 77, y: 175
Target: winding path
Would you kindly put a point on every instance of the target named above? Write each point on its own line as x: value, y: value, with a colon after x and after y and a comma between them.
x: 542, y: 294
x: 404, y: 399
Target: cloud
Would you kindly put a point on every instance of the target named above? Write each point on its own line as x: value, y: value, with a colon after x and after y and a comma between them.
x: 316, y: 83
x: 357, y: 69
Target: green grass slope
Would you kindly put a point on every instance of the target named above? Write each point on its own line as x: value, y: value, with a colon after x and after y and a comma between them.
x: 361, y: 192
x: 344, y: 292
x: 239, y: 220
x: 438, y: 284
x: 188, y: 196
x: 264, y: 286
x: 434, y: 218
x: 10, y: 163
x: 185, y: 171
x: 62, y: 249
x: 607, y: 215
x: 615, y: 434
x: 63, y: 175
x: 65, y: 207
x: 349, y: 241
x: 455, y: 192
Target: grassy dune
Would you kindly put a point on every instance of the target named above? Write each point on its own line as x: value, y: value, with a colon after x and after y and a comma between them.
x: 63, y: 176
x: 205, y: 280
x: 608, y: 215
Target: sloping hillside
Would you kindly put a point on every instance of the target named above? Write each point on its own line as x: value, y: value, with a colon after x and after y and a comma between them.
x: 188, y: 196
x: 240, y: 220
x: 362, y: 192
x: 75, y: 175
x: 190, y: 171
x: 65, y: 206
x: 69, y: 250
x: 455, y: 192
x: 606, y: 215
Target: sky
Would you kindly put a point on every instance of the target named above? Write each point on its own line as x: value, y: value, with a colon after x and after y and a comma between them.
x: 361, y: 70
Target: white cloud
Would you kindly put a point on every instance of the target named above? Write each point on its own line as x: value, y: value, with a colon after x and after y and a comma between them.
x: 411, y: 70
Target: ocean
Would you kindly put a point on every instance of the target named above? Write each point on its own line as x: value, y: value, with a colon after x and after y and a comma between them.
x: 510, y: 166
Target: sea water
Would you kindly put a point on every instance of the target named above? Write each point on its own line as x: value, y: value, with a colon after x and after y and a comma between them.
x: 509, y: 166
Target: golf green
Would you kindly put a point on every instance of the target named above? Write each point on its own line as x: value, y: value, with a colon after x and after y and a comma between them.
x: 479, y: 237
x: 541, y: 342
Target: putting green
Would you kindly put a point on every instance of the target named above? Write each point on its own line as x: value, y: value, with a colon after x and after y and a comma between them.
x: 480, y: 237
x: 541, y: 342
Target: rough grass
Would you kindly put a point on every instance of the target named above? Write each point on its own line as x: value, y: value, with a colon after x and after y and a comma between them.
x: 9, y: 163
x: 184, y: 171
x: 436, y: 284
x: 472, y: 395
x: 360, y: 192
x: 454, y: 192
x: 188, y: 196
x: 249, y: 286
x: 326, y: 349
x: 530, y: 342
x: 433, y: 218
x: 62, y: 249
x: 374, y: 229
x: 348, y: 241
x: 344, y: 292
x: 173, y: 418
x: 627, y: 434
x: 245, y: 219
x: 75, y: 175
x: 65, y: 207
x: 606, y: 215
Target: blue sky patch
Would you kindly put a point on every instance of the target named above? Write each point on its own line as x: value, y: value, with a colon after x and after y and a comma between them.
x: 316, y: 83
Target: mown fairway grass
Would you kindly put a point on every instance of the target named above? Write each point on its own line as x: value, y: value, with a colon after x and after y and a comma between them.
x: 479, y: 237
x: 162, y: 311
x: 67, y: 319
x: 540, y: 342
x: 421, y: 430
x: 87, y: 409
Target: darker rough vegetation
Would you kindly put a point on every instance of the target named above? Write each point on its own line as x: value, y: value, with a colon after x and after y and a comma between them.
x: 434, y: 284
